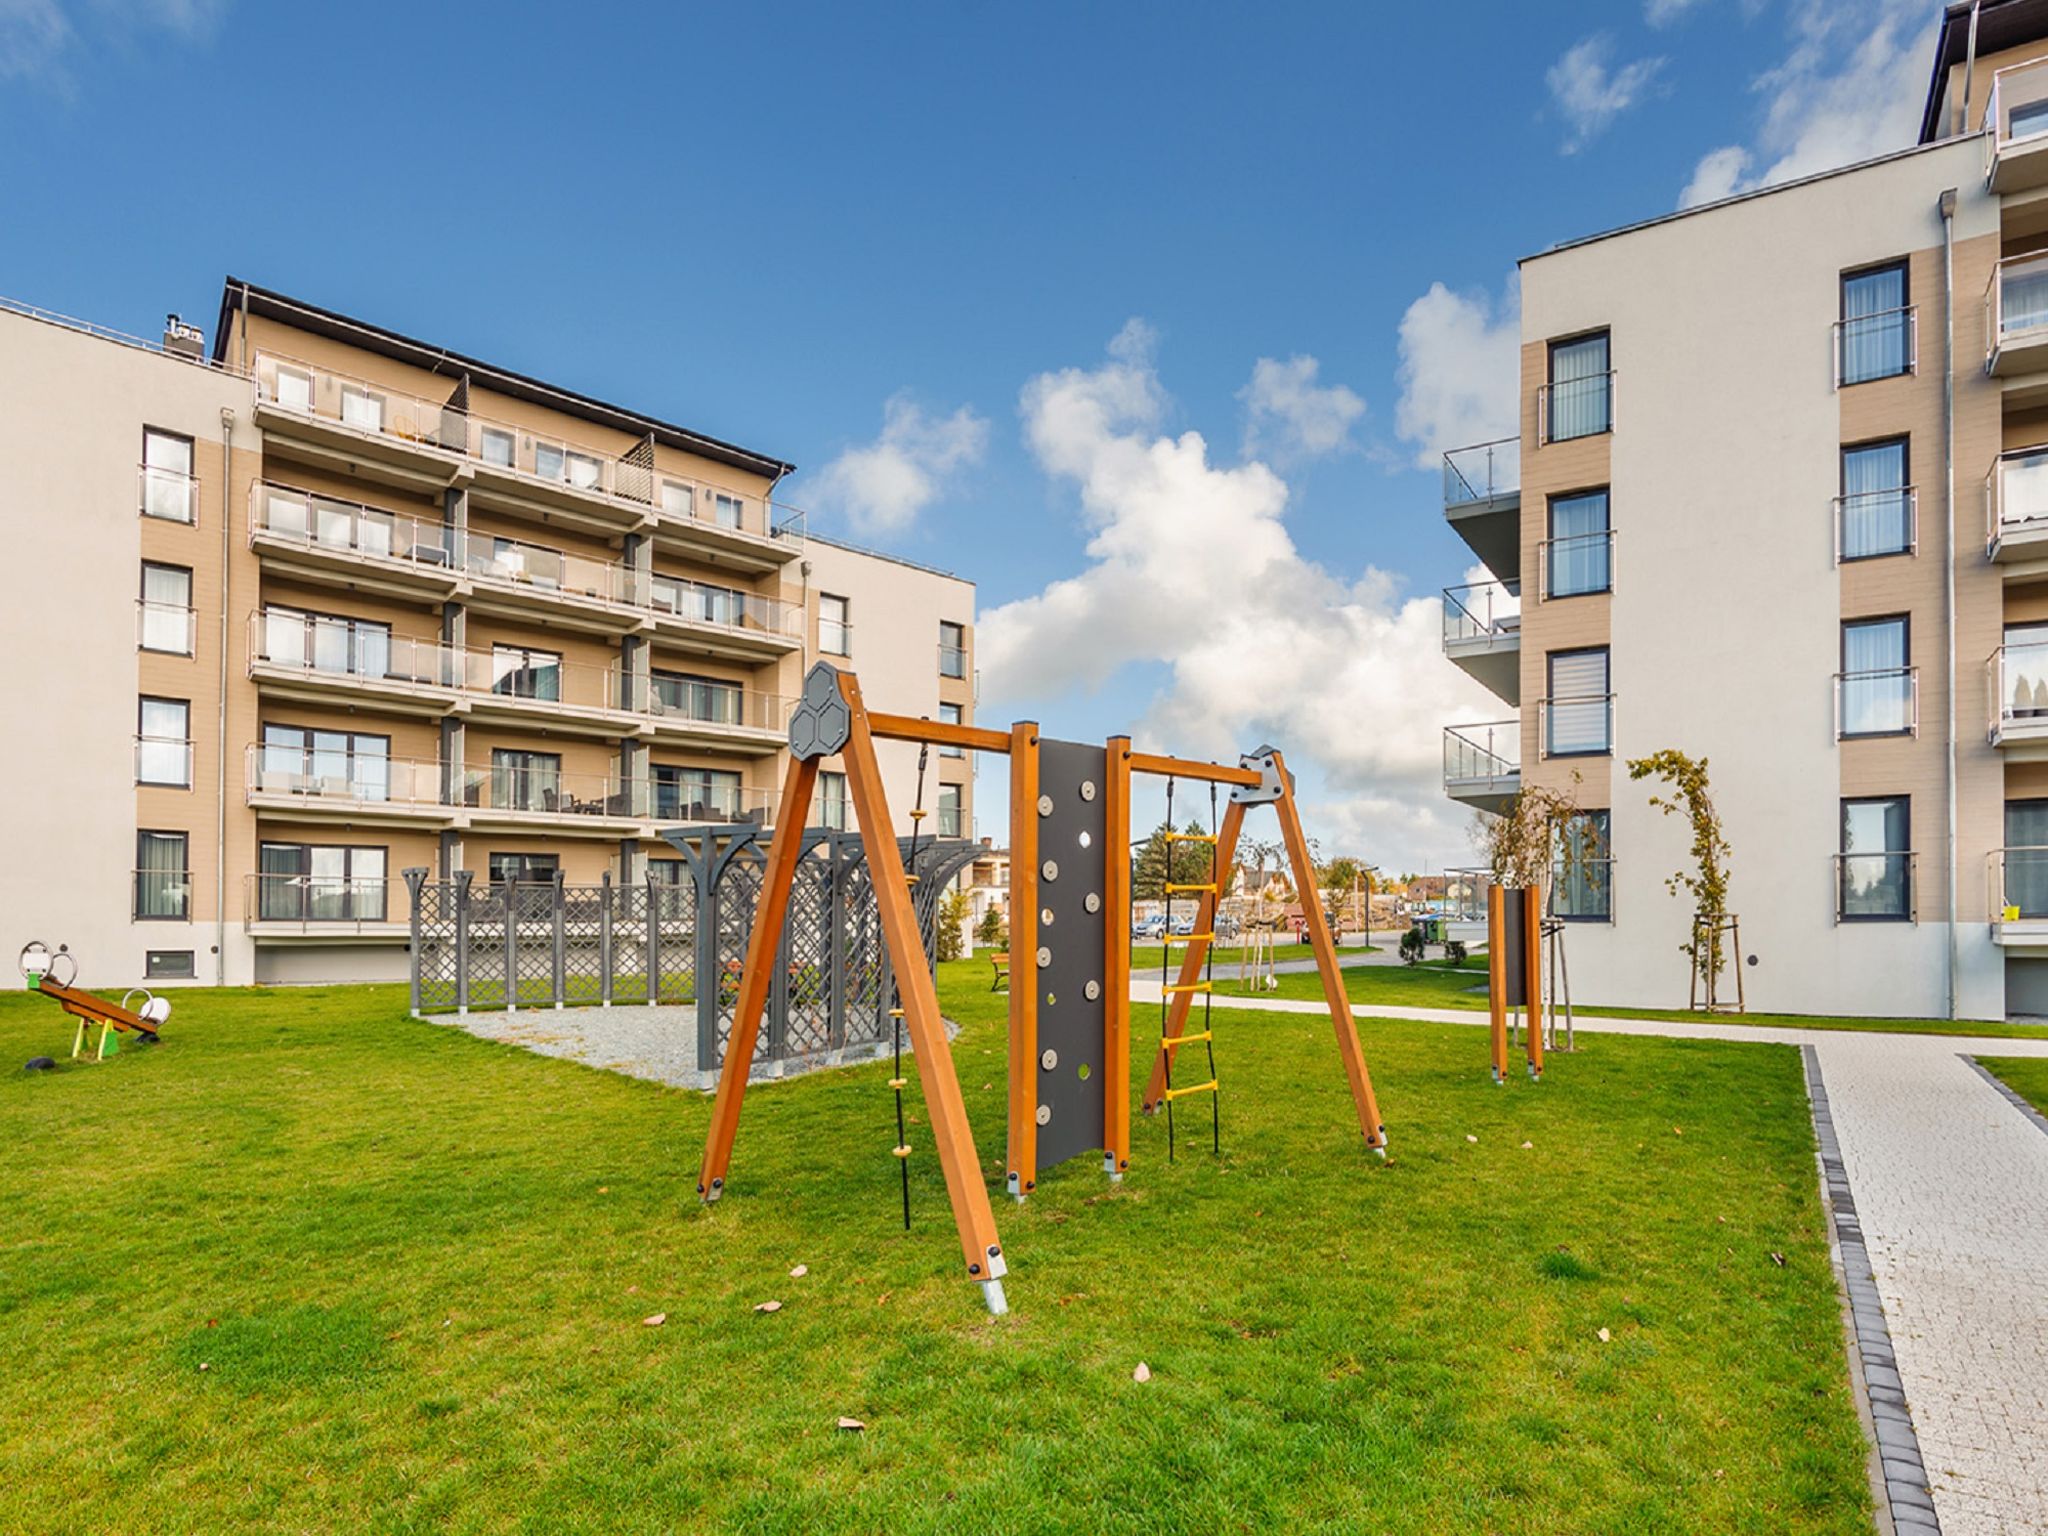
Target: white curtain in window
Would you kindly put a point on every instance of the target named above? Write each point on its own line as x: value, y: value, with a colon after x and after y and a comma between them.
x: 1578, y: 544
x: 1874, y: 512
x: 1874, y: 325
x: 1579, y: 388
x: 1876, y: 686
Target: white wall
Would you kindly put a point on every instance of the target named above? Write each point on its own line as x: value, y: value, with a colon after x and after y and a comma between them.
x: 1725, y: 609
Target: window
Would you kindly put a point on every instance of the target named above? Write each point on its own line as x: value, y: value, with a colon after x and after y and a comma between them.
x: 168, y: 965
x: 1581, y: 887
x: 344, y: 765
x: 1877, y: 681
x: 361, y: 409
x: 163, y: 743
x: 832, y: 801
x: 1876, y: 861
x: 1578, y: 716
x: 525, y: 781
x: 168, y: 488
x: 520, y: 673
x: 1578, y: 398
x: 2022, y: 489
x: 1877, y: 508
x: 294, y: 389
x: 835, y: 625
x: 725, y: 510
x: 678, y: 499
x: 1579, y: 545
x: 952, y: 649
x: 582, y: 470
x: 498, y: 447
x: 326, y: 642
x: 672, y: 890
x: 950, y: 714
x: 2026, y: 120
x: 2026, y: 857
x: 319, y: 883
x: 1876, y: 330
x: 163, y: 877
x: 696, y: 600
x: 166, y: 609
x: 2023, y: 672
x: 949, y: 810
x: 709, y: 795
x: 524, y: 868
x: 705, y: 699
x: 548, y: 461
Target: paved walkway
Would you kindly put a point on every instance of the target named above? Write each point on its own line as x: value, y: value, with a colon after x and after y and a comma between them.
x: 1950, y: 1182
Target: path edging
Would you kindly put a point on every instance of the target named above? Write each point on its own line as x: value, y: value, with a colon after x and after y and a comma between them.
x: 2010, y: 1095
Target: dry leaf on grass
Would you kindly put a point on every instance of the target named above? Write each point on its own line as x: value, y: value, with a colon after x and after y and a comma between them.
x: 800, y: 1271
x: 1142, y: 1373
x: 852, y: 1424
x: 1604, y: 1335
x: 1472, y: 1138
x: 768, y: 1306
x: 655, y: 1321
x: 1528, y: 1146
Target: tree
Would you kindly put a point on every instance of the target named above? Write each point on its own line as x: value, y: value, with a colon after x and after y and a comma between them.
x: 989, y: 932
x: 1162, y: 862
x: 1523, y: 842
x: 952, y: 935
x: 1707, y: 880
x: 1342, y: 873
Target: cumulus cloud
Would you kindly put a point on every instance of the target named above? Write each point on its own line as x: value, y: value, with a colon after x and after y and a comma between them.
x: 38, y: 38
x: 1662, y: 13
x: 1849, y: 87
x: 1290, y: 416
x: 1460, y: 370
x: 1191, y: 574
x: 1590, y: 93
x: 883, y: 485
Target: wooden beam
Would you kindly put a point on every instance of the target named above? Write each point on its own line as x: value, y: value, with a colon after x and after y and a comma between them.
x: 756, y: 972
x: 1023, y: 1138
x: 1116, y: 984
x: 1196, y: 955
x: 1184, y: 768
x: 939, y: 733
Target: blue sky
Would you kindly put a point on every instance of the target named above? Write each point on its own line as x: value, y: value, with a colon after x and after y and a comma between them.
x: 771, y: 222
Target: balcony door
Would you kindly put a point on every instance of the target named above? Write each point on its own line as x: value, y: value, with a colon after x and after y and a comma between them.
x: 1578, y: 544
x: 2026, y: 856
x: 1875, y: 326
x: 2023, y: 683
x: 1579, y: 395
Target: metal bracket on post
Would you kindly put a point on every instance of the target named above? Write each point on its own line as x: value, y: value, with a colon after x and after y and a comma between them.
x: 1272, y: 782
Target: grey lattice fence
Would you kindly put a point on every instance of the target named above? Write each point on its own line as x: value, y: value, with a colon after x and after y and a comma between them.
x: 477, y: 946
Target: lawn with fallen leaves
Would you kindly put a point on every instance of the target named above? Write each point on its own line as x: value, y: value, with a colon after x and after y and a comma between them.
x: 312, y: 1265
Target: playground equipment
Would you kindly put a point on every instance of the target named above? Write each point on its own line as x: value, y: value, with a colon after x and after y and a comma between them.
x: 39, y: 964
x: 1255, y: 958
x: 1514, y: 968
x: 1069, y: 1049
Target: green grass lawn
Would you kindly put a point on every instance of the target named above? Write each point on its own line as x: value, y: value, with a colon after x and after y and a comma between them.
x: 312, y: 1265
x: 1436, y: 985
x: 2026, y: 1076
x: 1147, y: 957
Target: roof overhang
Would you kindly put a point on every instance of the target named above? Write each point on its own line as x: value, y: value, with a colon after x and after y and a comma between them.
x: 2001, y: 24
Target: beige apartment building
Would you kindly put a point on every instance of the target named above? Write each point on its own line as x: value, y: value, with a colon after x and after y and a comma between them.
x: 322, y: 603
x: 1780, y: 499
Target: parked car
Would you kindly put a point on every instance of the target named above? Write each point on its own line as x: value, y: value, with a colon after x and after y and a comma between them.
x: 1183, y: 926
x: 1153, y: 929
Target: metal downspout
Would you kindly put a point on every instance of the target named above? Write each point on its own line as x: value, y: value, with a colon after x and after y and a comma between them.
x: 220, y: 744
x: 1948, y: 501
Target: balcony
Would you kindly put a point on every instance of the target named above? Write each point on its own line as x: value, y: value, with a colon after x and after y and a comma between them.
x: 291, y: 784
x: 2016, y: 506
x: 2016, y: 897
x: 1569, y: 409
x: 1483, y: 502
x: 1483, y: 635
x: 325, y: 540
x: 1881, y: 702
x: 1578, y: 565
x: 1882, y: 345
x: 323, y: 907
x: 2017, y: 680
x: 368, y: 430
x: 1869, y: 524
x: 2016, y: 120
x: 2016, y: 317
x: 1483, y: 764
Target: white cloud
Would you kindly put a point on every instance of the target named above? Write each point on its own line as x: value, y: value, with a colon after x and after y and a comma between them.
x: 1662, y: 13
x: 39, y: 37
x: 1289, y: 413
x: 1191, y: 572
x: 1461, y: 365
x: 33, y: 36
x: 1849, y: 87
x: 1590, y: 94
x: 883, y: 485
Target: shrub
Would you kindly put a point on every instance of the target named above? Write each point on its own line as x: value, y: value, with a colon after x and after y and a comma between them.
x: 952, y: 925
x: 1411, y: 946
x: 1454, y: 951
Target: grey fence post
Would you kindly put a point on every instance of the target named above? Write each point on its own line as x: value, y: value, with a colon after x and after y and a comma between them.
x: 651, y: 950
x: 560, y: 976
x: 462, y: 878
x: 706, y: 872
x: 604, y: 941
x: 414, y: 878
x: 511, y: 932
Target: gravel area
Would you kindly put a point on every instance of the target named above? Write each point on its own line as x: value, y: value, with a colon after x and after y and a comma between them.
x: 656, y: 1043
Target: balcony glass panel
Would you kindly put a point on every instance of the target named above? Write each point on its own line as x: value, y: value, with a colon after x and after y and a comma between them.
x: 2022, y: 297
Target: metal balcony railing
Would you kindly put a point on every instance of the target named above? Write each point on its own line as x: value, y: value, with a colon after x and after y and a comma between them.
x: 1483, y: 472
x: 1482, y: 610
x: 1873, y: 523
x: 1876, y: 887
x: 1582, y: 889
x: 2017, y: 109
x: 170, y: 494
x: 1881, y: 345
x: 835, y: 638
x: 168, y: 627
x: 952, y: 661
x: 949, y: 821
x: 1883, y: 701
x: 2016, y: 884
x: 1577, y: 565
x: 1577, y: 727
x: 301, y: 518
x: 1484, y: 753
x: 164, y: 761
x: 2016, y: 677
x: 317, y: 903
x: 1574, y: 408
x: 2016, y: 495
x: 630, y: 478
x: 314, y: 777
x: 161, y: 895
x: 2015, y: 302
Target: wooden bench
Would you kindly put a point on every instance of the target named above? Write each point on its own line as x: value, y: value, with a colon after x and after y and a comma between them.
x: 1000, y: 959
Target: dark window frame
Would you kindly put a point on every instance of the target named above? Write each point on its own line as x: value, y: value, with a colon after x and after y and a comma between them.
x: 1550, y: 698
x: 1903, y: 265
x: 1863, y: 621
x: 305, y: 849
x: 1606, y: 834
x: 1904, y: 440
x: 553, y: 863
x: 136, y: 914
x: 1547, y: 427
x: 1550, y: 593
x: 191, y: 474
x: 191, y: 600
x: 1842, y: 914
x: 164, y: 965
x: 142, y: 702
x: 844, y: 621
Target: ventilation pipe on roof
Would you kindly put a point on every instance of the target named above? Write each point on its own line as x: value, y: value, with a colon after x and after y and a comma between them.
x: 1969, y: 65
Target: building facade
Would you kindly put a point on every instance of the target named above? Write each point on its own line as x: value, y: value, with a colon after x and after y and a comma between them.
x: 1780, y: 500
x: 325, y: 603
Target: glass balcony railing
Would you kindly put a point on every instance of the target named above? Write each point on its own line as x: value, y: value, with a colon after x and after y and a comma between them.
x: 161, y: 895
x: 952, y: 661
x: 1482, y: 611
x: 1577, y: 727
x: 2016, y: 302
x: 1881, y: 702
x: 170, y: 494
x: 1573, y: 408
x: 1483, y: 472
x: 631, y: 478
x: 1482, y: 754
x: 2016, y: 111
x: 1876, y: 887
x: 2016, y: 496
x: 1577, y: 565
x: 2017, y: 678
x: 168, y: 627
x: 1881, y: 345
x: 310, y: 776
x: 2016, y: 884
x: 328, y: 903
x: 1873, y: 523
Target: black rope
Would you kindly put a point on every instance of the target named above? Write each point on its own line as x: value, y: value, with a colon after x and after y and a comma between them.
x: 1209, y: 980
x: 1166, y: 970
x: 896, y: 992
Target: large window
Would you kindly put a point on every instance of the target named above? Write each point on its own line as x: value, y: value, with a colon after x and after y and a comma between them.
x: 498, y: 447
x: 163, y: 743
x: 725, y: 510
x: 1877, y: 678
x: 326, y: 642
x: 696, y: 794
x: 361, y: 409
x: 700, y: 601
x: 1578, y: 715
x: 320, y: 883
x: 949, y: 810
x: 1579, y: 400
x: 166, y: 609
x: 163, y: 877
x: 672, y: 889
x: 1876, y: 860
x: 1582, y: 888
x: 526, y: 781
x: 168, y: 488
x: 678, y: 498
x: 697, y: 698
x: 521, y: 673
x: 950, y: 714
x: 952, y: 649
x: 1877, y: 508
x: 552, y: 461
x: 1877, y: 326
x: 835, y: 625
x: 1579, y: 545
x: 524, y: 868
x: 832, y: 801
x: 349, y: 765
x: 2026, y: 857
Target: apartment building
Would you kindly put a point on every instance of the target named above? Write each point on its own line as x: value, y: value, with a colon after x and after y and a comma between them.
x: 323, y: 603
x: 1780, y: 499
